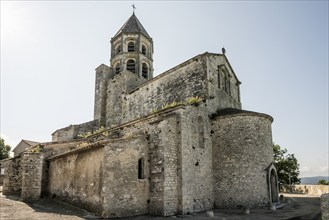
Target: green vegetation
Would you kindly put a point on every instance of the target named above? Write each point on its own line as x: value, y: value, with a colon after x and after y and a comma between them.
x: 287, y: 166
x: 194, y: 100
x: 100, y: 130
x: 4, y: 149
x: 37, y: 149
x: 190, y: 101
x: 171, y: 105
x: 323, y: 182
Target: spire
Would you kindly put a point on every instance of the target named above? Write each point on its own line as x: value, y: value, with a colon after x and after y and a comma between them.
x: 132, y: 25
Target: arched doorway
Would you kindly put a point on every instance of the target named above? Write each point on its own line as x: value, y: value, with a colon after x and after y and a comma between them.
x: 273, y: 180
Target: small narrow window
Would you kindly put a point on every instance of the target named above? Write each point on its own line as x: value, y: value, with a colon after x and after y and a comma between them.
x: 131, y: 47
x: 238, y: 88
x: 118, y: 49
x: 201, y: 132
x: 144, y: 70
x: 228, y: 86
x: 131, y: 66
x: 225, y: 83
x: 143, y: 49
x: 218, y: 76
x: 141, y: 168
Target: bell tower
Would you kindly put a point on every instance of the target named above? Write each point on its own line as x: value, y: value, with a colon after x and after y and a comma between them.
x: 132, y: 49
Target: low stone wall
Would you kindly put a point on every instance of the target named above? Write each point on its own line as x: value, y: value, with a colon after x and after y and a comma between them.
x: 23, y: 176
x: 325, y: 206
x: 77, y: 177
x: 315, y: 190
x: 72, y: 132
x: 12, y: 182
x: 32, y: 165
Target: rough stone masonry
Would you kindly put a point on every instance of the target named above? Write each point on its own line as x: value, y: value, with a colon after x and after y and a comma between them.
x: 177, y: 143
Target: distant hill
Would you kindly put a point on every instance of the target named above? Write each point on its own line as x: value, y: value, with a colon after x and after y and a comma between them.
x: 313, y: 179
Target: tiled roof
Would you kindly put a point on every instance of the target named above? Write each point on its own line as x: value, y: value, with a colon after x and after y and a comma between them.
x: 132, y: 25
x: 31, y: 143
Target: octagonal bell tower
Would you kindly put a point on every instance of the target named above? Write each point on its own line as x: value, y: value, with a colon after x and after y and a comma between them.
x: 132, y: 49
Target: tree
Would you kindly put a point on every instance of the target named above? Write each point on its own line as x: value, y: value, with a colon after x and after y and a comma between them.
x: 4, y: 149
x: 287, y: 166
x: 323, y: 182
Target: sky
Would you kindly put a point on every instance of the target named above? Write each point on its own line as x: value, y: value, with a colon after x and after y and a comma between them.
x: 278, y: 50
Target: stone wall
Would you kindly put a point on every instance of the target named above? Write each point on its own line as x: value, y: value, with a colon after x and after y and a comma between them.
x: 118, y: 87
x: 58, y: 147
x: 195, y: 164
x: 3, y: 165
x: 23, y: 176
x: 77, y: 177
x: 153, y: 141
x: 325, y: 206
x: 222, y: 94
x: 103, y: 74
x: 242, y: 152
x: 12, y: 183
x: 169, y: 145
x: 126, y: 100
x: 125, y: 104
x: 125, y: 193
x: 315, y: 190
x: 72, y: 132
x: 177, y: 173
x: 32, y: 165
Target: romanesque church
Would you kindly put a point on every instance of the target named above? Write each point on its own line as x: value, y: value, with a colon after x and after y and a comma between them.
x: 174, y: 144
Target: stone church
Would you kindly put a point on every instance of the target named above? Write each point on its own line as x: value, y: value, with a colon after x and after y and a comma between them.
x: 177, y: 143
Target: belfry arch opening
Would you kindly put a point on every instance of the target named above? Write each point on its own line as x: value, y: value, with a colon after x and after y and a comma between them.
x: 131, y: 46
x: 131, y: 66
x: 145, y: 70
x: 144, y: 49
x: 118, y: 49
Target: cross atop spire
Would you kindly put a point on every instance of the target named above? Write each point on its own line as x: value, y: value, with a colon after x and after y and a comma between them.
x: 133, y: 5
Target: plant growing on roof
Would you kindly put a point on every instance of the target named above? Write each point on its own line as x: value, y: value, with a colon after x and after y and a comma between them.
x: 36, y: 149
x: 100, y: 130
x: 194, y: 100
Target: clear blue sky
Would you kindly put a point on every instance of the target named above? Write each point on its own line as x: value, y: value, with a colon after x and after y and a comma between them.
x: 278, y: 49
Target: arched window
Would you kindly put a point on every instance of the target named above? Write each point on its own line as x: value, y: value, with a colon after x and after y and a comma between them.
x: 145, y: 70
x: 118, y: 49
x: 117, y: 68
x: 131, y: 66
x: 141, y: 168
x: 218, y: 76
x: 131, y: 47
x: 225, y: 83
x: 143, y: 49
x: 238, y: 88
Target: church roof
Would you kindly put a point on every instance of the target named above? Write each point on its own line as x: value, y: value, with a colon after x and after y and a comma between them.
x: 29, y: 143
x: 132, y: 25
x: 234, y: 111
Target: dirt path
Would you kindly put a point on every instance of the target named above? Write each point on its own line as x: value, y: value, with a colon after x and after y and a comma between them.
x: 297, y: 207
x: 47, y: 209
